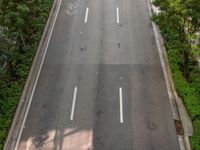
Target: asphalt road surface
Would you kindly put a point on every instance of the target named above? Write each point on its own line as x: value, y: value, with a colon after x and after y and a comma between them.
x: 101, y: 85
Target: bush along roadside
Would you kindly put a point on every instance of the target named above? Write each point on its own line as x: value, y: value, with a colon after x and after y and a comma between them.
x: 178, y: 22
x: 21, y: 27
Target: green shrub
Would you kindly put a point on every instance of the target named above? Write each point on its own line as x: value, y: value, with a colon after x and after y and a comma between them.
x: 195, y: 141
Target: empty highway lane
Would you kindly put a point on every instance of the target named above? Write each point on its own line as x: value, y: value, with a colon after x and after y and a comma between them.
x: 101, y: 85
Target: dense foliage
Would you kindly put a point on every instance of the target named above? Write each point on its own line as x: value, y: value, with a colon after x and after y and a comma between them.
x: 179, y: 20
x: 21, y: 26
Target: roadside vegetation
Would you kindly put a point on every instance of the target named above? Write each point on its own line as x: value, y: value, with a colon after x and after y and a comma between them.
x: 179, y: 22
x: 21, y: 26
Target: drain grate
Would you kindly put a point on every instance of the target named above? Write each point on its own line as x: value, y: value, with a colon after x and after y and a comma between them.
x: 179, y: 127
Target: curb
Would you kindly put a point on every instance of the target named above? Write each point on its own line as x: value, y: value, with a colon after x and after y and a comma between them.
x: 175, y: 101
x: 25, y: 97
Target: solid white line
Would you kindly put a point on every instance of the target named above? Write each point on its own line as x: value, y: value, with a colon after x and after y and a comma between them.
x: 117, y: 14
x: 86, y: 14
x: 121, y: 105
x: 73, y: 104
x: 36, y: 80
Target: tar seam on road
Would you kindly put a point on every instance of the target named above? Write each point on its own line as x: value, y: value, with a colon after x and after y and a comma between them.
x: 86, y: 14
x: 37, y: 77
x: 73, y: 104
x: 117, y: 15
x: 121, y: 105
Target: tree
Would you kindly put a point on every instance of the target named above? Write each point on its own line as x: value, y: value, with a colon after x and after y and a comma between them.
x: 184, y: 17
x: 6, y: 57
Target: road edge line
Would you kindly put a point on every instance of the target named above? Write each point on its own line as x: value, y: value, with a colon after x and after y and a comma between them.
x: 31, y: 82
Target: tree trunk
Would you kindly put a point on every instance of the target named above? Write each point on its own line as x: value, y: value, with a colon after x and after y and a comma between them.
x: 186, y: 65
x: 12, y: 72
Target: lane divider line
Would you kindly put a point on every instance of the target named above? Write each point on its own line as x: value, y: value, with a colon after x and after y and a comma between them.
x: 117, y: 15
x: 86, y: 14
x: 36, y: 80
x: 73, y: 103
x: 121, y: 105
